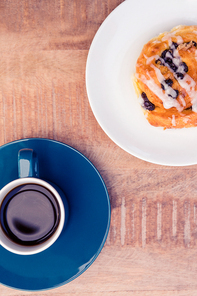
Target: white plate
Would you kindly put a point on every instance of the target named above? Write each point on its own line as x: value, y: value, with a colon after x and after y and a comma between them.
x: 110, y: 65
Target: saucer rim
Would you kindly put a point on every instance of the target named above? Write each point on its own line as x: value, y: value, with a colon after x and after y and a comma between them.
x: 108, y: 214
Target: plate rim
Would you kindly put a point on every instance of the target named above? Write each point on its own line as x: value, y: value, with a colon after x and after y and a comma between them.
x: 116, y: 140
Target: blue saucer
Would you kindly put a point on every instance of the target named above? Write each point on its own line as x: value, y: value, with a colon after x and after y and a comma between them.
x: 89, y: 217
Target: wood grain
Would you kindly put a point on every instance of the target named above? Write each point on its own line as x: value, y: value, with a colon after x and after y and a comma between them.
x: 151, y: 248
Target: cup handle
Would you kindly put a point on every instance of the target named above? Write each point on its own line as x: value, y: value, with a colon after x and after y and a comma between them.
x: 27, y: 163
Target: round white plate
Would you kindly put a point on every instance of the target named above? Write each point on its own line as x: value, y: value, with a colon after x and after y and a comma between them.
x: 110, y: 65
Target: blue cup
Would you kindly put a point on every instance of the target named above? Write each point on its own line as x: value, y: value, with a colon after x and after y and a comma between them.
x: 32, y: 213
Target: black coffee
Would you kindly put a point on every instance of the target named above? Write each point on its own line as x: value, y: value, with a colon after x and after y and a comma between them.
x: 29, y: 214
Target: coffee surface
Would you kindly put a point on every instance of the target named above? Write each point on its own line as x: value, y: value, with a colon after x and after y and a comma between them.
x: 29, y: 214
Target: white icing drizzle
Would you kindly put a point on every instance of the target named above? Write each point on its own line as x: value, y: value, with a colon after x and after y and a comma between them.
x: 187, y: 82
x: 168, y: 102
x: 168, y: 89
x: 150, y: 59
x: 140, y: 100
x: 156, y: 41
x: 176, y: 59
x: 167, y: 37
x: 189, y: 85
x: 173, y: 120
x: 179, y: 39
x: 182, y: 100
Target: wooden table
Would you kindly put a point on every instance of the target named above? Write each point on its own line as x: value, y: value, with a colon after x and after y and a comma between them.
x: 152, y: 244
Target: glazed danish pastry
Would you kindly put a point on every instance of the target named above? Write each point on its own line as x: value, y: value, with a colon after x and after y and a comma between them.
x: 166, y: 78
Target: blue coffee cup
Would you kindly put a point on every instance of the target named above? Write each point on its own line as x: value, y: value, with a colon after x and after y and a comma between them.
x: 32, y: 213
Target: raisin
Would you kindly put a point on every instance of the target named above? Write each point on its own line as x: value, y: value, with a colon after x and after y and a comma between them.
x: 175, y: 44
x: 147, y: 104
x: 177, y: 93
x: 179, y: 75
x: 169, y: 82
x: 163, y: 55
x: 173, y: 67
x: 168, y: 61
x: 144, y: 96
x: 185, y: 67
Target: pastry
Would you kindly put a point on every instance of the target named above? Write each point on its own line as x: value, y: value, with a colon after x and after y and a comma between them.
x: 166, y: 78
